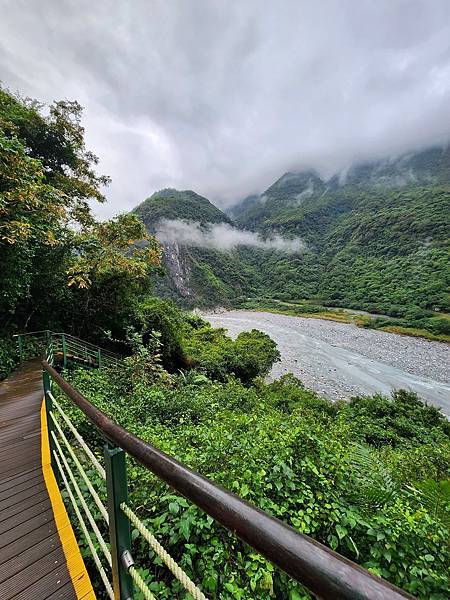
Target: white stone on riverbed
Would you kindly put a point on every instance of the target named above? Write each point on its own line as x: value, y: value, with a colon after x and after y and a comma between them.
x: 340, y: 360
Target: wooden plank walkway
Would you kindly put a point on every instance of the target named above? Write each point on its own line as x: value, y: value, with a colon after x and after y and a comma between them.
x: 33, y: 537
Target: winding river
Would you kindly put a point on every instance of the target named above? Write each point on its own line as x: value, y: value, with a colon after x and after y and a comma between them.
x: 340, y: 360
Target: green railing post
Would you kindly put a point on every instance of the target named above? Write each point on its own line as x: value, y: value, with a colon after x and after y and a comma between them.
x: 99, y: 359
x: 64, y: 349
x: 50, y: 425
x: 119, y: 525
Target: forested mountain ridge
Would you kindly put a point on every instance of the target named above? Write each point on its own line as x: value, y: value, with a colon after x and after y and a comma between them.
x: 306, y: 188
x: 381, y: 235
x: 377, y: 239
x: 173, y: 204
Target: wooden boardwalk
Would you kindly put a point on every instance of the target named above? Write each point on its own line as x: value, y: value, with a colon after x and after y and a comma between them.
x: 39, y: 558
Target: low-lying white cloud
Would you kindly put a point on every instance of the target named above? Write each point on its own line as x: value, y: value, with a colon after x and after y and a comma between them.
x: 221, y: 236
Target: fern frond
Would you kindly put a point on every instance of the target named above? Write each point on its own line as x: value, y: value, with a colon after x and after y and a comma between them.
x: 435, y: 498
x: 376, y: 485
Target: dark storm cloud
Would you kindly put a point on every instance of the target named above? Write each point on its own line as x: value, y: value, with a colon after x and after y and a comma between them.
x: 223, y: 97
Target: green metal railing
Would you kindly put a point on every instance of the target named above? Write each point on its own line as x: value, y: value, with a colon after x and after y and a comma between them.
x: 105, y: 517
x: 65, y: 348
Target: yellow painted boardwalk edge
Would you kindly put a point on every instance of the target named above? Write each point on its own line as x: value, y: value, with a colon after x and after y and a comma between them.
x: 75, y: 564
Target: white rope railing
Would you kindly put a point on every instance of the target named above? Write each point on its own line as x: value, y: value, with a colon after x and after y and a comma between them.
x: 59, y: 455
x: 50, y: 353
x: 91, y: 519
x: 140, y: 583
x: 97, y: 561
x: 94, y: 494
x: 79, y: 438
x: 134, y: 574
x: 174, y: 567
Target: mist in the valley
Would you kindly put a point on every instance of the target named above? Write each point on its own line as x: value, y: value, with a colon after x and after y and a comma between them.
x: 221, y: 236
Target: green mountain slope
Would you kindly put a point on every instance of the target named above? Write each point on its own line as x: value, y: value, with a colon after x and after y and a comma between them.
x: 195, y: 276
x: 376, y: 240
x: 380, y: 238
x: 294, y: 194
x: 174, y: 204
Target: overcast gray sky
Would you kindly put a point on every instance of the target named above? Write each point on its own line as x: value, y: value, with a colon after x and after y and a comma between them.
x: 223, y: 96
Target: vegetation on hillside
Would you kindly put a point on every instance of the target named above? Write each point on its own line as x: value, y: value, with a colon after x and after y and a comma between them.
x: 377, y: 242
x: 377, y: 245
x: 174, y: 204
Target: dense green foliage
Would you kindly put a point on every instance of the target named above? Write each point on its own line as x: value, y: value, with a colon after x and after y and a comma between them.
x: 187, y: 342
x: 377, y: 245
x: 252, y: 354
x: 8, y: 356
x: 368, y: 478
x: 391, y: 253
x: 60, y: 268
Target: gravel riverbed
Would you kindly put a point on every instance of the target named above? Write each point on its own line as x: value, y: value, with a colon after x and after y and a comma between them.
x: 340, y: 360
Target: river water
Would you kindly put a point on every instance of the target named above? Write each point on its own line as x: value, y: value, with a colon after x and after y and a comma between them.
x: 340, y: 360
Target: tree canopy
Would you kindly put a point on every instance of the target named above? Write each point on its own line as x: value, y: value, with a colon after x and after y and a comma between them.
x: 58, y: 263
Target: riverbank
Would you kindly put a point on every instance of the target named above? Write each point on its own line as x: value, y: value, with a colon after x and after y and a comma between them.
x: 434, y: 331
x: 340, y: 360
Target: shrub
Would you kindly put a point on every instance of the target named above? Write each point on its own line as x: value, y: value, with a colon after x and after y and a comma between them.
x: 154, y: 314
x: 8, y: 356
x: 255, y: 354
x: 211, y: 351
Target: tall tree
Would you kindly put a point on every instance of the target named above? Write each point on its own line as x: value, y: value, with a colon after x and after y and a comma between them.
x: 53, y: 253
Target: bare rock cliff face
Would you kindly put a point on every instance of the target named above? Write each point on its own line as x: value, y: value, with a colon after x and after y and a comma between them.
x: 178, y: 268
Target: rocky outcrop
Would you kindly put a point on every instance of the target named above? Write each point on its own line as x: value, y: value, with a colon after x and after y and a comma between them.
x: 178, y: 268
